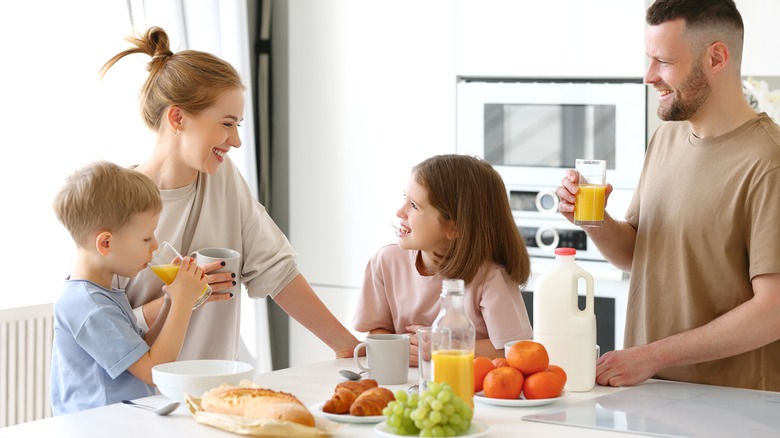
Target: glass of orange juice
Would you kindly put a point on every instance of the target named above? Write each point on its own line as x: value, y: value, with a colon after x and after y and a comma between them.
x: 166, y: 262
x: 591, y: 194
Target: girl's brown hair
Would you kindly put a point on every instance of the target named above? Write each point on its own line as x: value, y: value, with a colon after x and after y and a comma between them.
x: 190, y: 79
x: 469, y: 192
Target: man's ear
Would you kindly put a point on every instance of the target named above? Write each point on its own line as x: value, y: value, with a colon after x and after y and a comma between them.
x: 103, y: 243
x: 719, y: 56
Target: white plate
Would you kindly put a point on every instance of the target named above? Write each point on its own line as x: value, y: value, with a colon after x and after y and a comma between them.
x: 476, y: 429
x: 518, y: 402
x: 346, y: 418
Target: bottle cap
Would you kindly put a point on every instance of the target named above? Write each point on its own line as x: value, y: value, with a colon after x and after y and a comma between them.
x: 565, y: 251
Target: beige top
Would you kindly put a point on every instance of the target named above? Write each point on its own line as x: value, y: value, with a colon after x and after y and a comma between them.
x: 230, y: 218
x: 706, y: 213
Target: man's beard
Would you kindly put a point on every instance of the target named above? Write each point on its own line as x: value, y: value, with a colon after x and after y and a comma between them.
x: 696, y: 88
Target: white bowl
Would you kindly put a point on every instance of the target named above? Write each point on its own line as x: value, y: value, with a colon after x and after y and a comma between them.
x: 195, y: 377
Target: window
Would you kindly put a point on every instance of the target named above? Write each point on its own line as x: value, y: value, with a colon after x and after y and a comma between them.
x: 55, y: 119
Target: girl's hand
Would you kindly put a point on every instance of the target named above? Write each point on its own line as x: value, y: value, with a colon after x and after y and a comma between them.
x: 414, y: 345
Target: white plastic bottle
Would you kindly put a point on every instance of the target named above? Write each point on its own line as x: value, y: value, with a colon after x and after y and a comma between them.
x: 566, y: 331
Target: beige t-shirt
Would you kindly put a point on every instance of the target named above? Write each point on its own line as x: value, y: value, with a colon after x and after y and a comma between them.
x: 706, y: 213
x: 394, y: 295
x: 230, y: 218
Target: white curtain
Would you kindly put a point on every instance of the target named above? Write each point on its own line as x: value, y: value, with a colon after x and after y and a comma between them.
x: 219, y: 27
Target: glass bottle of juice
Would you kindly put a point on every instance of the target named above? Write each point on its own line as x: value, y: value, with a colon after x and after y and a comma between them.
x: 452, y: 343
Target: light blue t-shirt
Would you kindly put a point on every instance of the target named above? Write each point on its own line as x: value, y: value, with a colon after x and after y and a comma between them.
x: 96, y: 339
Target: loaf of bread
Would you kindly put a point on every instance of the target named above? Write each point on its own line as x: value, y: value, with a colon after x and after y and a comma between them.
x: 257, y: 403
x: 371, y: 402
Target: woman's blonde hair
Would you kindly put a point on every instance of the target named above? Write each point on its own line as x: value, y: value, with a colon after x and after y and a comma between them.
x: 468, y: 192
x: 103, y: 197
x: 190, y: 79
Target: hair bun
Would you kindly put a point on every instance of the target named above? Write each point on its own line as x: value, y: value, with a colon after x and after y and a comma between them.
x: 163, y: 55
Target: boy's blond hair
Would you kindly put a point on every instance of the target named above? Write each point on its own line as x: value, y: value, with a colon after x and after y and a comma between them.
x: 103, y: 197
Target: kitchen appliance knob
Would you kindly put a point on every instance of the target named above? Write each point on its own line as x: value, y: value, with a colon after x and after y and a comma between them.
x: 547, y: 238
x: 547, y: 202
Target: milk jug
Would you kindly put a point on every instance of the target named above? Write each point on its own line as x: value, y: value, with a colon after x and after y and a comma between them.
x: 566, y: 331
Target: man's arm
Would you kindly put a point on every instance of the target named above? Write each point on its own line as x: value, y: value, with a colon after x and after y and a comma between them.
x: 614, y: 239
x: 751, y: 325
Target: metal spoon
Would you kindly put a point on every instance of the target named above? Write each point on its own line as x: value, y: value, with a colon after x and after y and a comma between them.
x: 351, y: 375
x: 165, y: 410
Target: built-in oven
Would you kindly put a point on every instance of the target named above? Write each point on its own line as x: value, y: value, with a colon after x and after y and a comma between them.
x: 531, y: 131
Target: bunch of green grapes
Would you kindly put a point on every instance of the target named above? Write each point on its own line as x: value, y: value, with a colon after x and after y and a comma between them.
x: 437, y: 412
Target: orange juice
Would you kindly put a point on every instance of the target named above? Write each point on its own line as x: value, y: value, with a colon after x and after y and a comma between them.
x: 589, y: 206
x: 167, y: 273
x: 456, y: 367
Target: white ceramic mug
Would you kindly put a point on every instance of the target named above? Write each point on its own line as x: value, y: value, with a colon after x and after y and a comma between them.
x: 232, y: 261
x: 387, y: 358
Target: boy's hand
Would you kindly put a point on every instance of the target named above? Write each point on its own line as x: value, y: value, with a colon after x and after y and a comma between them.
x: 189, y: 283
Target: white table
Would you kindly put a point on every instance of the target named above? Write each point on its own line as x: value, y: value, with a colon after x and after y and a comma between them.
x: 312, y: 384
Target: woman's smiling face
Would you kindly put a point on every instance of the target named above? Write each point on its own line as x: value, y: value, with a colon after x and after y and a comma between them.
x: 210, y: 135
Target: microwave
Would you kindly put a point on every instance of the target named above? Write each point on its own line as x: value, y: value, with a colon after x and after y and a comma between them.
x: 531, y: 131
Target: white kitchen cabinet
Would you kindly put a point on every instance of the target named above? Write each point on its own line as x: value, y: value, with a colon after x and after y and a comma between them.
x: 369, y: 92
x: 305, y: 348
x: 760, y: 56
x: 553, y: 38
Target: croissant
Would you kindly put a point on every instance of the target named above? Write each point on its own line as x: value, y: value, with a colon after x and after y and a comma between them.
x: 371, y: 402
x: 340, y: 402
x: 358, y: 386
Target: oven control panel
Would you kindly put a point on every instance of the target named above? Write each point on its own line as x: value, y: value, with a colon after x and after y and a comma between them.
x: 544, y: 201
x: 542, y: 226
x: 551, y: 238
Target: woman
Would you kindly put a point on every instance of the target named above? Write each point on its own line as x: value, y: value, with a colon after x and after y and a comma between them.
x: 194, y: 101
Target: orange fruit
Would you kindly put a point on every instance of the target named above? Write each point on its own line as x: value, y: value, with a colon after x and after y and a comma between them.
x: 500, y: 362
x: 482, y: 366
x: 559, y: 372
x: 544, y: 384
x: 529, y: 357
x: 503, y: 382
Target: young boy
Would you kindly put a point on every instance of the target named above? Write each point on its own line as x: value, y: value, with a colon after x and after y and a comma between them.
x: 100, y: 356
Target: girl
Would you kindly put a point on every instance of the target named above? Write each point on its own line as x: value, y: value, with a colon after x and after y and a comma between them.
x: 455, y: 223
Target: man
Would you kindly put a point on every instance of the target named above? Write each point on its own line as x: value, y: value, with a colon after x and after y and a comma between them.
x: 701, y: 236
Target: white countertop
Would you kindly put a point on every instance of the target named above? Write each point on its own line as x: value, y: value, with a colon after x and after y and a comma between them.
x: 312, y: 384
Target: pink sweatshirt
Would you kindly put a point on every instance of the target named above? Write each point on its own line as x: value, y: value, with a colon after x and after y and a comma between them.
x: 394, y: 295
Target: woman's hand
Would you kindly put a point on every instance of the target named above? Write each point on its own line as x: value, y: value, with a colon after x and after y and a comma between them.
x: 219, y: 281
